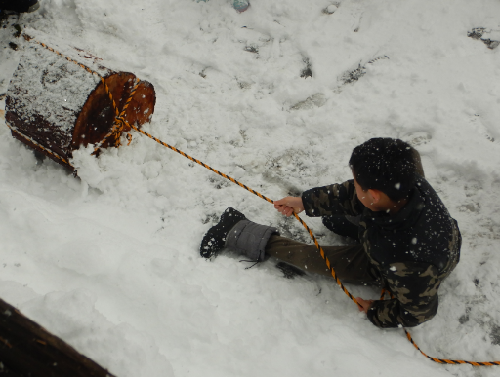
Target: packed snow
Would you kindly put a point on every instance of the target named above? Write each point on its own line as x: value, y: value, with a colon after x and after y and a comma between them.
x: 276, y: 97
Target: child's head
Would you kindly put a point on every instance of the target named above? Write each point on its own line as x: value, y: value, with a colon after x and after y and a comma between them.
x: 384, y: 164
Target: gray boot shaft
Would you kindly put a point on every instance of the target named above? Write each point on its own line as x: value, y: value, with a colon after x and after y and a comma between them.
x: 250, y: 239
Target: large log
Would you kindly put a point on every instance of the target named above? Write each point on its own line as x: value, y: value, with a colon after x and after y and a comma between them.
x: 27, y: 349
x: 57, y: 101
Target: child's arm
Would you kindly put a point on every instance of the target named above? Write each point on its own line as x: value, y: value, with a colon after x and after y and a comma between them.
x: 288, y: 205
x: 337, y: 199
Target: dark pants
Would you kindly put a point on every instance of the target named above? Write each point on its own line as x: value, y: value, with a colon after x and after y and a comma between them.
x: 351, y: 263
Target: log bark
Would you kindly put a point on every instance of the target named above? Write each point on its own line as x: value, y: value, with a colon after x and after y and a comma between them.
x: 54, y: 105
x: 27, y: 349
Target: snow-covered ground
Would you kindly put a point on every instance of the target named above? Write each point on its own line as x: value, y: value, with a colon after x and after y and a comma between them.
x: 109, y: 261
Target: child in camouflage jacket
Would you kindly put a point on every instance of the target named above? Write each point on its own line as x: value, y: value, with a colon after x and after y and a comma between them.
x: 406, y: 241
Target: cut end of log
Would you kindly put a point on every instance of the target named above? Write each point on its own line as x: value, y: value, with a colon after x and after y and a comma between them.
x: 98, y: 114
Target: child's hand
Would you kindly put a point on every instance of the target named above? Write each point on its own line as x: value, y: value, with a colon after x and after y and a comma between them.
x: 365, y: 304
x: 288, y: 205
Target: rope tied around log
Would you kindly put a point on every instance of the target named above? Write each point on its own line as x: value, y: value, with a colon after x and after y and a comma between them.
x: 120, y: 123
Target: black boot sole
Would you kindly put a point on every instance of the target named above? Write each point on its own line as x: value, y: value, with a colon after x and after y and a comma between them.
x: 215, y: 239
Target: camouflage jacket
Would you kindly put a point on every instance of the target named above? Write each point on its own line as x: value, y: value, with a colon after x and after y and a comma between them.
x: 411, y: 252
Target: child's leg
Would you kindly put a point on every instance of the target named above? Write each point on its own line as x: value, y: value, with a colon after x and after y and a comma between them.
x: 341, y: 225
x: 255, y: 241
x: 351, y: 263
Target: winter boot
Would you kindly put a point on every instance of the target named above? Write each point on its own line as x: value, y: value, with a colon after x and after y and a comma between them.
x: 215, y: 239
x: 19, y: 6
x: 237, y: 233
x: 250, y: 239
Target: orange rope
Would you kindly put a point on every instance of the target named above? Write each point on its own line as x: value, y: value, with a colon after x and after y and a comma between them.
x: 38, y: 145
x: 118, y: 127
x: 119, y: 122
x: 441, y: 361
x: 321, y: 251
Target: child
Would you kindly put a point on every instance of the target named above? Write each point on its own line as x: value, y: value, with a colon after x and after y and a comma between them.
x: 406, y: 240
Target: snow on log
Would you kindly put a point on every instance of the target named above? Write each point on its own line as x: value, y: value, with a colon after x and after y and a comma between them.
x: 55, y: 104
x: 27, y: 349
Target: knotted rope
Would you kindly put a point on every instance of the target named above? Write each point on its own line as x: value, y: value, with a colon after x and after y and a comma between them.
x: 116, y: 130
